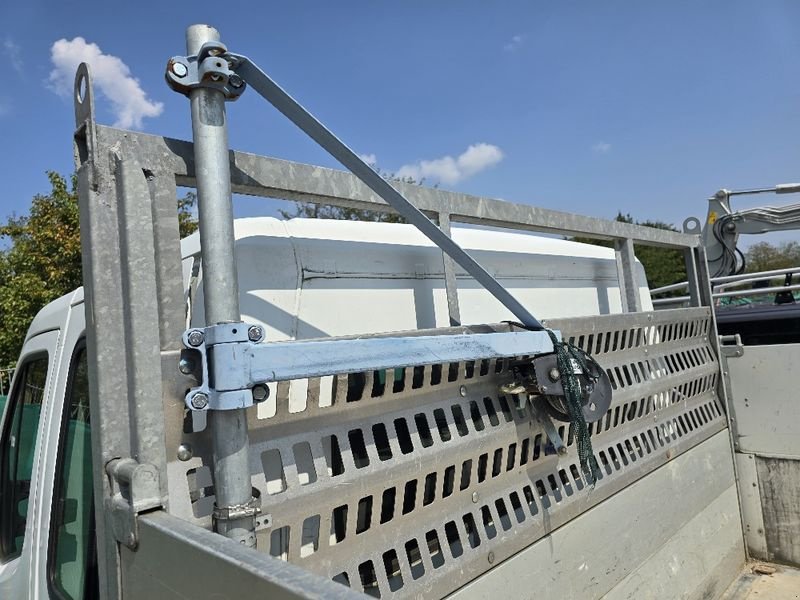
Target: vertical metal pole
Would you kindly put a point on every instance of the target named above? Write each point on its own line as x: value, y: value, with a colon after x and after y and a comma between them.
x: 232, y: 483
x: 450, y: 282
x: 695, y: 291
x: 626, y: 273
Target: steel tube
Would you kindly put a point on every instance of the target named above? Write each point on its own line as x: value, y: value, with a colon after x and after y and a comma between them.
x: 232, y: 485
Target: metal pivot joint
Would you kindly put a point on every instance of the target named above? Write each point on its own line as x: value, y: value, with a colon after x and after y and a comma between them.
x: 221, y: 353
x: 210, y: 68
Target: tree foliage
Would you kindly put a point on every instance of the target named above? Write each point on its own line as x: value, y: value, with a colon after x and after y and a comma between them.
x: 764, y: 256
x: 42, y: 259
x: 662, y: 266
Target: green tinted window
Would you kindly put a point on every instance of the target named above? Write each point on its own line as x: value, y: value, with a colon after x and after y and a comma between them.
x: 16, y: 453
x: 72, y: 558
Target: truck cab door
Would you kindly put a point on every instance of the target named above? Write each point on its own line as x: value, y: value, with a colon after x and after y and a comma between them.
x: 22, y: 443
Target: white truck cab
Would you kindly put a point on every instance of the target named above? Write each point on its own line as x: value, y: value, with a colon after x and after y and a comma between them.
x: 47, y: 520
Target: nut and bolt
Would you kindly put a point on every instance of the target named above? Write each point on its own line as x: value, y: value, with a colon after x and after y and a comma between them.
x: 255, y: 333
x: 235, y: 81
x: 186, y: 366
x: 260, y: 392
x: 554, y: 374
x: 491, y: 557
x: 185, y: 452
x: 475, y: 497
x: 463, y: 391
x: 199, y: 401
x: 179, y: 69
x: 195, y: 338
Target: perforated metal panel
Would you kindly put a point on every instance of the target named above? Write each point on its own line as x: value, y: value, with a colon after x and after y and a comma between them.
x: 417, y: 481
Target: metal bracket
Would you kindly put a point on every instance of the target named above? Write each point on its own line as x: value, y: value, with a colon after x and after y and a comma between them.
x: 731, y: 345
x: 224, y: 346
x: 210, y: 69
x: 135, y: 488
x: 235, y: 368
x: 549, y: 428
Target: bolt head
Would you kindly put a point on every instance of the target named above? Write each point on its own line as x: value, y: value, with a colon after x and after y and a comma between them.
x: 186, y: 366
x: 463, y: 391
x: 475, y: 497
x: 235, y: 81
x: 179, y: 69
x: 196, y: 337
x: 199, y: 401
x: 491, y: 557
x: 255, y: 333
x: 260, y: 392
x: 554, y: 374
x: 185, y: 452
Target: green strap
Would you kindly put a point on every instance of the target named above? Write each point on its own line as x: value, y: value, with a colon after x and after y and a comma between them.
x: 574, y: 396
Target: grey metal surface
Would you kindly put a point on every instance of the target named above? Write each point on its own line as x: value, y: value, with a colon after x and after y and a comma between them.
x: 277, y: 96
x: 764, y: 399
x: 176, y: 560
x: 660, y: 538
x: 451, y: 287
x: 275, y: 178
x: 750, y: 501
x: 220, y: 283
x: 626, y: 268
x: 404, y: 483
x: 241, y: 365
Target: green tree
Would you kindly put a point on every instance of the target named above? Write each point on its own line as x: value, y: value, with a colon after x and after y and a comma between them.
x: 764, y: 256
x: 310, y: 210
x: 662, y: 266
x: 42, y: 260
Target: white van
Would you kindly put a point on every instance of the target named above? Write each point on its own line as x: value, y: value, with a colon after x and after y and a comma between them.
x: 300, y: 279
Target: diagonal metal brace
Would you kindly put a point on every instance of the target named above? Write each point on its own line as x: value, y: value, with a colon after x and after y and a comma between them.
x: 280, y: 99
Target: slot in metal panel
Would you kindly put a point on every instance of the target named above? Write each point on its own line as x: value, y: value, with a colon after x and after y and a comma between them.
x: 394, y: 483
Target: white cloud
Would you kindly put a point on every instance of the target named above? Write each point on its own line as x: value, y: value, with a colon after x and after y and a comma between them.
x: 601, y: 148
x: 514, y: 43
x: 111, y: 76
x: 370, y: 159
x: 451, y: 170
x: 12, y: 52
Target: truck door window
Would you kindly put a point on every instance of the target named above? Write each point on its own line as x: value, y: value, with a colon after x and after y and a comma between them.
x: 72, y: 553
x: 17, y: 448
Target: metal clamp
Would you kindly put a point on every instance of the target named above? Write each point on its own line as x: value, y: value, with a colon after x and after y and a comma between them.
x: 238, y: 511
x: 211, y: 68
x: 227, y: 344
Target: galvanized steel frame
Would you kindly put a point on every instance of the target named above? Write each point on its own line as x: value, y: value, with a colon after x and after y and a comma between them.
x: 135, y: 311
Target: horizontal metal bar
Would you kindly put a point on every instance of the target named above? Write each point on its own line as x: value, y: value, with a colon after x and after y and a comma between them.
x: 282, y: 361
x: 274, y: 178
x: 758, y: 291
x: 670, y: 301
x: 744, y: 277
x: 311, y: 126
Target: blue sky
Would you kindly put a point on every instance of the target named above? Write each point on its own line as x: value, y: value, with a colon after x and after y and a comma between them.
x: 589, y: 107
